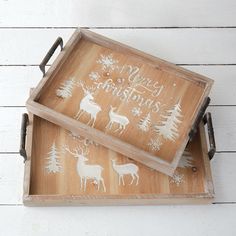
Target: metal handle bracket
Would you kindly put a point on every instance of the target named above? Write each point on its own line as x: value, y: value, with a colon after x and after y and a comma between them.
x: 58, y: 42
x: 208, y: 120
x: 200, y: 115
x: 24, y: 123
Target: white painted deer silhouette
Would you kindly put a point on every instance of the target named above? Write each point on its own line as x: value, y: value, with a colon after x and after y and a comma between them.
x: 116, y: 118
x: 126, y: 169
x: 88, y: 105
x: 86, y: 171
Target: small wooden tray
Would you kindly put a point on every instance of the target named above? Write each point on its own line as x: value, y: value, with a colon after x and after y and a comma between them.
x: 124, y: 99
x: 62, y: 168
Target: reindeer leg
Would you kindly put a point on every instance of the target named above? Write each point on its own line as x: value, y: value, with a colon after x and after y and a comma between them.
x: 119, y: 128
x: 132, y: 179
x: 103, y: 185
x: 89, y: 121
x: 121, y: 132
x: 81, y: 183
x: 123, y: 182
x: 85, y: 184
x: 137, y: 178
x: 79, y: 114
x: 94, y: 119
x: 108, y: 126
x: 98, y: 181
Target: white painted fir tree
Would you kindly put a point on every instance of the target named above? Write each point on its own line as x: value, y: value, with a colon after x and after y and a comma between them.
x: 169, y: 127
x: 65, y: 90
x: 53, y: 164
x: 186, y: 160
x: 144, y: 123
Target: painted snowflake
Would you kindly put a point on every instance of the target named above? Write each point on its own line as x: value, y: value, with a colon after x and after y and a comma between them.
x: 107, y: 62
x: 136, y: 111
x: 94, y: 76
x: 177, y: 179
x: 155, y: 144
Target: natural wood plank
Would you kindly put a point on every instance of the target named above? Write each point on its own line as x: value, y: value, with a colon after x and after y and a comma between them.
x: 180, y: 46
x: 224, y: 174
x: 121, y: 13
x: 10, y: 121
x: 223, y: 122
x: 18, y: 80
x: 11, y: 178
x: 183, y: 220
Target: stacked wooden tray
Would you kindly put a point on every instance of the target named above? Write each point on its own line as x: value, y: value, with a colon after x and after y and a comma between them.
x: 115, y: 118
x: 56, y: 160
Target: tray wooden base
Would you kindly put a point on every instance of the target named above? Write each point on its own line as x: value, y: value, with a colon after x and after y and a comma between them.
x: 57, y: 173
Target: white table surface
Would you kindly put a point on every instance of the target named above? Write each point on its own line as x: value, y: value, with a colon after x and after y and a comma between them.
x: 198, y: 35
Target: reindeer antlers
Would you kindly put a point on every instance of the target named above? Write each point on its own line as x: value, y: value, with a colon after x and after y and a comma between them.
x: 77, y: 151
x: 90, y: 89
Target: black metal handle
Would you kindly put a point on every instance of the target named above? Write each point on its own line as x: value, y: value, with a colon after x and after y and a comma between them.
x: 208, y: 120
x: 45, y: 60
x: 199, y: 118
x: 24, y: 123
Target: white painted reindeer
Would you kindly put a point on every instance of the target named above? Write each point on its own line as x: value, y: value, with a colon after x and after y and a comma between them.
x: 126, y: 169
x: 116, y: 118
x: 86, y: 171
x: 88, y: 105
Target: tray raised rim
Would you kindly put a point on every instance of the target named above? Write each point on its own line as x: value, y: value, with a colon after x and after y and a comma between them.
x: 107, y: 140
x: 128, y: 199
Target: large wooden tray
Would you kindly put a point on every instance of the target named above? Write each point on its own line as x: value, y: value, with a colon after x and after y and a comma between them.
x: 124, y: 99
x: 62, y: 168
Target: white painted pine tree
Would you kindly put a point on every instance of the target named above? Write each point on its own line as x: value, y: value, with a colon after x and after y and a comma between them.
x: 186, y: 160
x: 65, y: 90
x: 53, y: 164
x: 169, y: 127
x: 144, y: 123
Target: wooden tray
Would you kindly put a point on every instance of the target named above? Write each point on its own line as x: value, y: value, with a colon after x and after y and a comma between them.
x: 124, y: 99
x: 62, y: 168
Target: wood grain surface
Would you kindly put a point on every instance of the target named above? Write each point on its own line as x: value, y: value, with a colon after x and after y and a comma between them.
x: 132, y: 80
x: 153, y: 187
